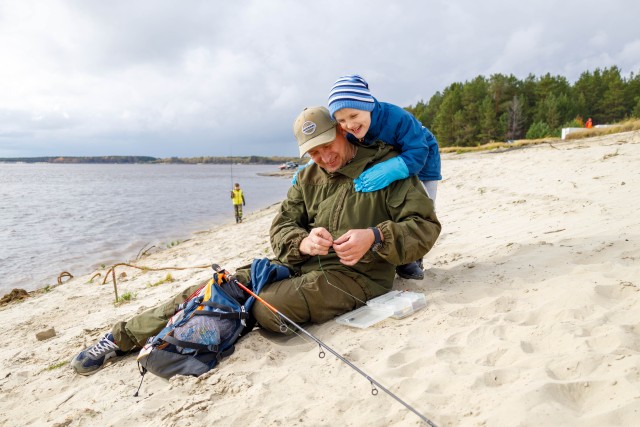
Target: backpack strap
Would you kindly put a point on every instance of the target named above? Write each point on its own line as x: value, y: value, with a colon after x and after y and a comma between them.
x: 186, y: 344
x: 241, y: 315
x: 227, y: 352
x: 213, y: 304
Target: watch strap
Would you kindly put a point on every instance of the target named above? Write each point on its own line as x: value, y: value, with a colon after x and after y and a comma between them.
x: 377, y: 239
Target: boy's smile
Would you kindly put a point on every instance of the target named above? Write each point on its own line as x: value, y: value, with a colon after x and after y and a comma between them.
x: 356, y: 122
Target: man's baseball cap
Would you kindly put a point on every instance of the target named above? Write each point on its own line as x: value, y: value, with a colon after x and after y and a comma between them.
x: 314, y: 127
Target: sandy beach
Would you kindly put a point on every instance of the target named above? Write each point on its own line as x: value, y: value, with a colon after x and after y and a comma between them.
x: 532, y: 317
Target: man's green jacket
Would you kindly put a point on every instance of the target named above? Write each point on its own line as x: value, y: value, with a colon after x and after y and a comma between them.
x: 403, y: 212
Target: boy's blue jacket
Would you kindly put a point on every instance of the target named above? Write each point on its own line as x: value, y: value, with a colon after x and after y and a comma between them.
x: 396, y: 126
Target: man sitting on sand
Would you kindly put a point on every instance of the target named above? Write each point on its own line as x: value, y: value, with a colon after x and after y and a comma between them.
x: 341, y: 245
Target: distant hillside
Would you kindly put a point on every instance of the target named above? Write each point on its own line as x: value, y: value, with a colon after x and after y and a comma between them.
x: 252, y: 160
x: 245, y: 160
x: 99, y: 159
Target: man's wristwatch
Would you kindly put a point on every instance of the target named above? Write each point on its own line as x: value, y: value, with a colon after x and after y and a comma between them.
x: 377, y: 239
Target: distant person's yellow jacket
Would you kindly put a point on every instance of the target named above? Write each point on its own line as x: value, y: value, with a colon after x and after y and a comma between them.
x: 237, y: 196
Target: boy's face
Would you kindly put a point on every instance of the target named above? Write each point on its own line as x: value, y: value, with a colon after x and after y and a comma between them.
x: 356, y: 122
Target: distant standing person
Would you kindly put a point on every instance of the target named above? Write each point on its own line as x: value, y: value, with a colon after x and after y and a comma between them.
x: 237, y: 197
x: 589, y: 123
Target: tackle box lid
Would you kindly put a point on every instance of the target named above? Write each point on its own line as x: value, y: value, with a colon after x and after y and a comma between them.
x: 401, y: 303
x: 364, y: 316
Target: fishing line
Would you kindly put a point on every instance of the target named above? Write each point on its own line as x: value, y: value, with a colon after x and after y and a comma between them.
x: 342, y: 290
x: 334, y: 286
x: 231, y: 165
x: 284, y: 327
x: 321, y: 344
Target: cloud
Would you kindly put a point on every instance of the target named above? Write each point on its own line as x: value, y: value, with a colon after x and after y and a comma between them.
x: 630, y: 54
x: 166, y: 78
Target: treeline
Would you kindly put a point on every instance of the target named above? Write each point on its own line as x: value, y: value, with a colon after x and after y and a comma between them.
x: 503, y: 108
x: 245, y: 160
x: 87, y: 159
x: 253, y: 160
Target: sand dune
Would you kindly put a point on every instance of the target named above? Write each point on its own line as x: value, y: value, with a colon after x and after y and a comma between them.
x: 532, y: 317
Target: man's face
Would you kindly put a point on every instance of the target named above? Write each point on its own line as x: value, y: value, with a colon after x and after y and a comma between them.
x: 356, y: 122
x: 333, y: 155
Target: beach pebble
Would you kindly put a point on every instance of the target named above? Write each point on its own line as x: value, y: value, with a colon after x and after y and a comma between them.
x: 45, y: 334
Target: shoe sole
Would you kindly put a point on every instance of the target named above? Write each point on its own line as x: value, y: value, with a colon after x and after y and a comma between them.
x: 411, y: 278
x: 99, y: 368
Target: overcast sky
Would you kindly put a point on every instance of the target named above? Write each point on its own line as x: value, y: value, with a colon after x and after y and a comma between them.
x: 211, y: 78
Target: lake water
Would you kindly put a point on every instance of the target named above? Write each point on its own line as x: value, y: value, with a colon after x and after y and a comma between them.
x: 66, y: 217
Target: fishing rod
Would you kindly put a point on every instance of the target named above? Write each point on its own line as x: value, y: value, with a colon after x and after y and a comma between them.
x: 231, y: 166
x: 374, y: 383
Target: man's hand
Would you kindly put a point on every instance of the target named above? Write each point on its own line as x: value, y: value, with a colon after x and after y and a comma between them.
x: 352, y: 245
x: 318, y: 242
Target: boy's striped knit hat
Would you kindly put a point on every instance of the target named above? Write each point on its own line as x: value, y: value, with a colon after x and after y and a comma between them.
x: 350, y: 92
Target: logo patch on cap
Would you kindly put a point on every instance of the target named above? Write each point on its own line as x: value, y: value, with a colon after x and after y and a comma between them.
x: 308, y: 127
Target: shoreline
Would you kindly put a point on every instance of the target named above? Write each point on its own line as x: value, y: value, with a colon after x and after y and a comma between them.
x: 533, y: 300
x: 18, y: 293
x: 79, y: 229
x: 281, y: 173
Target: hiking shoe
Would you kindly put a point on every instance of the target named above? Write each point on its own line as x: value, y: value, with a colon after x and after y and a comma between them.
x: 93, y: 358
x: 410, y: 271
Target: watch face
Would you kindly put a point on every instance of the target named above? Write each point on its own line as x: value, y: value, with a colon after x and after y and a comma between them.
x: 376, y: 247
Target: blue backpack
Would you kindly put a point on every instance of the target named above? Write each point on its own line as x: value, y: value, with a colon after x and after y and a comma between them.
x: 205, y: 329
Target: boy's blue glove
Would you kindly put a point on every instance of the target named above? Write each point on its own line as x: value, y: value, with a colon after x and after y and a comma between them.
x: 295, y: 175
x: 381, y: 175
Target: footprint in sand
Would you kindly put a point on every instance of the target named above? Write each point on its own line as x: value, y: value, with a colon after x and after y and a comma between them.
x: 572, y: 367
x: 402, y: 366
x: 604, y: 343
x: 498, y: 377
x: 492, y: 358
x: 527, y: 347
x: 449, y: 353
x: 618, y: 292
x: 466, y: 312
x: 576, y: 395
x: 631, y: 337
x: 503, y: 304
x: 523, y: 318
